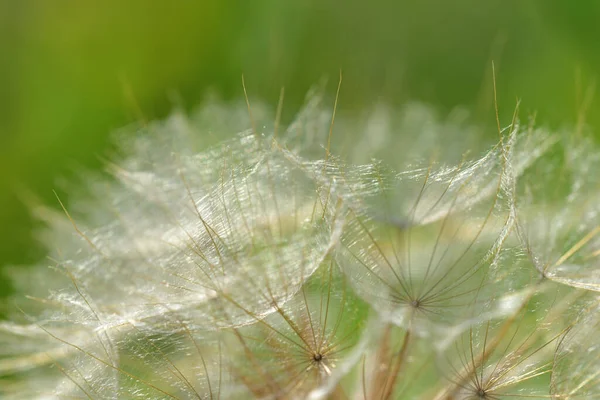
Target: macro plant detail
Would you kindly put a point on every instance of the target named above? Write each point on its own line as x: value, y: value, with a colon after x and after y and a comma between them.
x: 268, y: 266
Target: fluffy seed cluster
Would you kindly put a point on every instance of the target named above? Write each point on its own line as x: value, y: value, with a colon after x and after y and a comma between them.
x: 268, y: 267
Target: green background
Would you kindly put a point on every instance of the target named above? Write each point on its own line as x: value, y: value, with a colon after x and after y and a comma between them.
x: 73, y: 71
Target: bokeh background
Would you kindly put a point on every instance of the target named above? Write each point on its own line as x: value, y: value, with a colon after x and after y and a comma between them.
x: 72, y: 71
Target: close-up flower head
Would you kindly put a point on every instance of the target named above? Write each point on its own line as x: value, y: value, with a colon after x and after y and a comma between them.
x: 299, y: 200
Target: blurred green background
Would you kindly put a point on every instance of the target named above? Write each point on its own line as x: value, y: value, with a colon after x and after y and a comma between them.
x: 73, y: 71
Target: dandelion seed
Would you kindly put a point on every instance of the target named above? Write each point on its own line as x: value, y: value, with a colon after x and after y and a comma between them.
x: 510, y: 357
x: 558, y: 221
x: 576, y: 372
x: 423, y: 274
x: 296, y: 350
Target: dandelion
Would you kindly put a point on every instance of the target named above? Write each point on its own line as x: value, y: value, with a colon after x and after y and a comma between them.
x: 267, y: 266
x: 205, y: 250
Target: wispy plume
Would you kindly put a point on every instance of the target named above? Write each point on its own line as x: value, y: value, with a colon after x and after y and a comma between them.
x: 269, y: 266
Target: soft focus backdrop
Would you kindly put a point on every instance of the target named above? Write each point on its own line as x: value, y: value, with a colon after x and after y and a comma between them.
x: 73, y: 71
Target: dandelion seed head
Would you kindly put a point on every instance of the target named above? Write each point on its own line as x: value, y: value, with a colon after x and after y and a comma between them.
x: 266, y: 266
